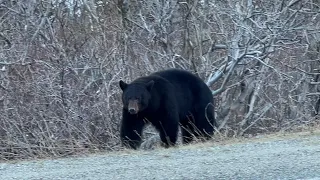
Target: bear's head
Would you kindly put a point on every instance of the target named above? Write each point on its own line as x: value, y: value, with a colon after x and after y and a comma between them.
x: 136, y: 96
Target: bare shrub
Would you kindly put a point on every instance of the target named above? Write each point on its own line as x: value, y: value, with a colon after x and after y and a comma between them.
x: 60, y: 63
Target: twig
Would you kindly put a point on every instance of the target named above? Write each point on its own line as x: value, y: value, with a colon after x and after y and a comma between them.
x: 222, y: 87
x: 264, y: 110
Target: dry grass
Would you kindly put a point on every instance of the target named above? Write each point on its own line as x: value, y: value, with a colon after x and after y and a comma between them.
x: 216, y: 141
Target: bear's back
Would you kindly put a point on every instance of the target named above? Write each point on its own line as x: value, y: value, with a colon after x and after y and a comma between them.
x: 182, y: 79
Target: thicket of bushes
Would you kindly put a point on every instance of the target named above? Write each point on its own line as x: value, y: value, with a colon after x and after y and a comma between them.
x: 60, y: 63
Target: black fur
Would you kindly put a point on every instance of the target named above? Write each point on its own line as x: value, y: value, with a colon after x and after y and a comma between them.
x: 167, y: 98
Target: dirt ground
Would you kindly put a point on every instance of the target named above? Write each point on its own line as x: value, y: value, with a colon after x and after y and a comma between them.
x: 294, y: 156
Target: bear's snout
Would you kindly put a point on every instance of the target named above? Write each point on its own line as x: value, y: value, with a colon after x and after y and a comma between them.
x: 132, y: 111
x: 133, y: 106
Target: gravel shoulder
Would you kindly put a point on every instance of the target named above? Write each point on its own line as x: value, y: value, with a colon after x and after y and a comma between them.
x: 295, y: 156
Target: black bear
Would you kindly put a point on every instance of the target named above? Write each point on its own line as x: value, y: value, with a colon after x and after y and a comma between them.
x: 166, y: 99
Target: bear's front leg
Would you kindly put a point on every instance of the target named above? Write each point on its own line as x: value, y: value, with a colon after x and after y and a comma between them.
x: 169, y: 133
x: 168, y: 127
x: 131, y: 130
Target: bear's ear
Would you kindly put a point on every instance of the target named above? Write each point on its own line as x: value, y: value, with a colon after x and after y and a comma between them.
x: 150, y: 85
x: 123, y: 85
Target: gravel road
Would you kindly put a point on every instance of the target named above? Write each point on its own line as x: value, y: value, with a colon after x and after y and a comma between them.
x: 294, y: 157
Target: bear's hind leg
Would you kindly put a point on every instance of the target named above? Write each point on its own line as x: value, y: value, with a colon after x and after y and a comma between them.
x: 204, y: 121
